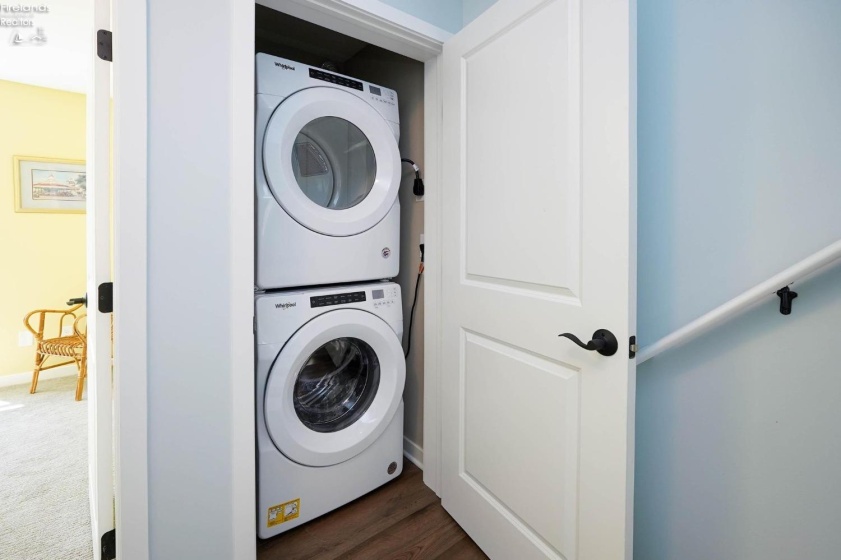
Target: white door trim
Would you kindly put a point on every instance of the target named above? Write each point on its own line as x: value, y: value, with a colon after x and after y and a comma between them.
x: 98, y: 242
x: 243, y: 437
x: 130, y: 270
x: 432, y: 312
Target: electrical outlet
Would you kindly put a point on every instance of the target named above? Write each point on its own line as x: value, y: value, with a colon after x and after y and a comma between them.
x: 25, y: 338
x: 67, y: 330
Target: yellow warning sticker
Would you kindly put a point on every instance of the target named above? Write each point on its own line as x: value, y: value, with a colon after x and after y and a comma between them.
x: 284, y: 512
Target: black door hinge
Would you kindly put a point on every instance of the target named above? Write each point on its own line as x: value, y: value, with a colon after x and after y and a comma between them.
x: 633, y: 348
x: 109, y: 545
x: 103, y: 45
x: 105, y: 297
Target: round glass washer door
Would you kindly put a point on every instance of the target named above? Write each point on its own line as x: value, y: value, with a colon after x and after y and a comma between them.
x: 331, y: 161
x: 334, y: 387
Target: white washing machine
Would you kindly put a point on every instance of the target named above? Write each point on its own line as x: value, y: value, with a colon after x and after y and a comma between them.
x: 330, y: 377
x: 327, y: 174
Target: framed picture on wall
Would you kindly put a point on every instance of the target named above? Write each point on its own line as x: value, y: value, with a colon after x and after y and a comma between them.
x: 49, y: 185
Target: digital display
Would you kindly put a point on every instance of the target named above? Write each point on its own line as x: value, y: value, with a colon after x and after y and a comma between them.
x: 377, y: 294
x: 375, y: 90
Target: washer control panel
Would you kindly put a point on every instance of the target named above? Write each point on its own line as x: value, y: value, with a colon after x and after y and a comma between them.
x: 387, y: 296
x: 337, y: 299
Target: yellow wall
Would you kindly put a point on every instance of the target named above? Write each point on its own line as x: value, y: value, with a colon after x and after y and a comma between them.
x: 42, y: 255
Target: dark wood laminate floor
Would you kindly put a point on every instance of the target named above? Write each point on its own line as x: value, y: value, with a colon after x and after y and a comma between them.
x: 402, y: 520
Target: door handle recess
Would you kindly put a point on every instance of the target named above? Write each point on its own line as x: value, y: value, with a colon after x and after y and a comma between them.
x: 603, y: 342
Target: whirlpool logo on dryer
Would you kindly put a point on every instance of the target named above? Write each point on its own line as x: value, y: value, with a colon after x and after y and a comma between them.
x: 284, y: 66
x: 286, y: 305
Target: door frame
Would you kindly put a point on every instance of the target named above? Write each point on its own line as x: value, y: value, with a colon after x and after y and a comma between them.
x: 369, y: 20
x: 100, y: 410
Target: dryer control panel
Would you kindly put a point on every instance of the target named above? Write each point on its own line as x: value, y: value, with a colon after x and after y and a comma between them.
x: 282, y: 77
x: 383, y: 95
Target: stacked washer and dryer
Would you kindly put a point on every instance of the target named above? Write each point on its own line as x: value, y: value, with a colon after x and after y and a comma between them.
x: 330, y: 369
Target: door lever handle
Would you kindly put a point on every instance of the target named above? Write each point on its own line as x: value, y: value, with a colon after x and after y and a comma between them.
x: 78, y: 300
x: 602, y: 342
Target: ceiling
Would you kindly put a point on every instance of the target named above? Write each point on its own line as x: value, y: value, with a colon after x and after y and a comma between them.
x: 61, y: 61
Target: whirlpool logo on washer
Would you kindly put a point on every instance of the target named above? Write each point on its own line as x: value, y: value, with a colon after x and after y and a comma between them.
x: 284, y: 66
x: 386, y: 252
x: 286, y: 305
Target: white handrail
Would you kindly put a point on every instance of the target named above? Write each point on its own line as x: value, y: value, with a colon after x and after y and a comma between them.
x: 800, y: 271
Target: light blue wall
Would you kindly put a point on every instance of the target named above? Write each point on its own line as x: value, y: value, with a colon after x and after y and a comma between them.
x: 471, y: 9
x: 739, y: 147
x: 738, y: 451
x: 738, y: 445
x: 445, y: 14
x: 451, y: 15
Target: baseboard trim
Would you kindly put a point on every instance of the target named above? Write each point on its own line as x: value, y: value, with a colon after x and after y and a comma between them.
x: 26, y: 377
x: 413, y: 452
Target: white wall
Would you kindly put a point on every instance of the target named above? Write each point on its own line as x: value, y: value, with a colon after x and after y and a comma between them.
x: 739, y: 177
x: 62, y: 61
x: 189, y: 286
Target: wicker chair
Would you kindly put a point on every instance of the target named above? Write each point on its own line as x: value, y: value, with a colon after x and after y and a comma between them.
x: 74, y: 347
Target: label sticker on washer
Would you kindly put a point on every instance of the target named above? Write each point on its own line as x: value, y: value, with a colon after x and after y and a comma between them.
x: 284, y: 512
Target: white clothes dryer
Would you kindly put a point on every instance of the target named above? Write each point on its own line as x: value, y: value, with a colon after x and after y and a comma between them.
x: 330, y: 374
x: 327, y: 172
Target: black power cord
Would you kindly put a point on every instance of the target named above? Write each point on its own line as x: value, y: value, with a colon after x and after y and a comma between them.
x: 414, y: 304
x: 417, y: 188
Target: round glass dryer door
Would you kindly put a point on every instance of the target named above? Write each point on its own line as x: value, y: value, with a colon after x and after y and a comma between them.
x: 331, y: 161
x: 334, y: 387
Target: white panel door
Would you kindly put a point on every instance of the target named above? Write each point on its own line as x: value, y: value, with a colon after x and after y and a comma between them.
x: 539, y: 239
x: 100, y: 405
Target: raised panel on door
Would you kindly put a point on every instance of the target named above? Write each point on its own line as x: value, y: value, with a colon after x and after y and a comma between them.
x: 506, y: 392
x: 538, y: 226
x: 522, y: 162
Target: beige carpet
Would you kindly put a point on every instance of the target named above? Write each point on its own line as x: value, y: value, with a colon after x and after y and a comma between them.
x: 44, y: 507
